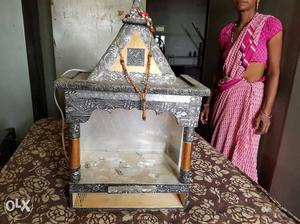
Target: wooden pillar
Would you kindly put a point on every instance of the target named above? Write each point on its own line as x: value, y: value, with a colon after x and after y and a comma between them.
x: 74, y: 143
x: 186, y: 157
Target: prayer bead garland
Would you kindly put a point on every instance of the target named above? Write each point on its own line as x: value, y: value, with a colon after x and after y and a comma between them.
x: 141, y: 94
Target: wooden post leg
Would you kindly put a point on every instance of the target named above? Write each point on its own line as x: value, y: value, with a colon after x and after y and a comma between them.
x: 186, y: 157
x: 74, y: 142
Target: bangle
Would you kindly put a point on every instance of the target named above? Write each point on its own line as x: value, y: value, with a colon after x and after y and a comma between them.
x: 266, y: 115
x: 206, y: 105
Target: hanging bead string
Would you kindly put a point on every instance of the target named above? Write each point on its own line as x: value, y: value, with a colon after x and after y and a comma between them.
x: 143, y: 94
x: 146, y: 16
x: 144, y: 103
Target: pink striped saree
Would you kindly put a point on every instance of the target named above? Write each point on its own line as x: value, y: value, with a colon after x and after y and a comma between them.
x: 238, y: 102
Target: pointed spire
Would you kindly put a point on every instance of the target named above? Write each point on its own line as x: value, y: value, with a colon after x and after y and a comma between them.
x: 137, y: 27
x: 135, y: 6
x: 137, y: 3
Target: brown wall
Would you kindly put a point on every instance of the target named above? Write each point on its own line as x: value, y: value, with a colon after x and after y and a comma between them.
x: 271, y: 142
x: 279, y: 153
x: 285, y: 184
x: 219, y: 14
x: 286, y: 180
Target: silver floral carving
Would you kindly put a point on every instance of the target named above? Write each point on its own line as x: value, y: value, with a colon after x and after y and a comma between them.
x: 75, y: 175
x: 130, y: 188
x: 74, y: 130
x: 102, y: 71
x: 184, y: 85
x: 80, y: 105
x: 188, y: 134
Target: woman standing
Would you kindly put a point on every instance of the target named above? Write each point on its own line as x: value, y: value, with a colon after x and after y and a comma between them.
x: 244, y: 96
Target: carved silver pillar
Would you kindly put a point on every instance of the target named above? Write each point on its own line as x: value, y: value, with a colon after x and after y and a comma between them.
x: 186, y: 158
x: 74, y: 143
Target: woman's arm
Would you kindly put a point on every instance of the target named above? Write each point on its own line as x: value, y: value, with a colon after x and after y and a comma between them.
x: 274, y: 56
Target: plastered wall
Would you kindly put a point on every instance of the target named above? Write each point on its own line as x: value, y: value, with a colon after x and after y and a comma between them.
x: 83, y: 30
x: 15, y: 95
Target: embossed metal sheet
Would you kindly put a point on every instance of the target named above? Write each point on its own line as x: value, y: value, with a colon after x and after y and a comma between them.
x: 102, y: 71
x: 81, y: 104
x: 184, y: 85
x: 135, y: 57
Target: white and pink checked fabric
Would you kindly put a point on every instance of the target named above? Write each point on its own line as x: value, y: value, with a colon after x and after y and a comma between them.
x: 234, y: 113
x: 238, y: 105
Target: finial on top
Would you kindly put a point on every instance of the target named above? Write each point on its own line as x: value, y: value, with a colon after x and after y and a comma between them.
x: 137, y: 3
x: 135, y: 6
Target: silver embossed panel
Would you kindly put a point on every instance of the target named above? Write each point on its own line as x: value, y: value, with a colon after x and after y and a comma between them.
x: 102, y: 72
x: 135, y: 57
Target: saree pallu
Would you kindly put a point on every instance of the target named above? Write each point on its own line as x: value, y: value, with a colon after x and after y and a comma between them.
x: 238, y: 102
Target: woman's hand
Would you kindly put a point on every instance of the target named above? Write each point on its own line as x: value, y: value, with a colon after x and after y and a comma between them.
x: 263, y: 121
x: 262, y: 124
x: 204, y: 114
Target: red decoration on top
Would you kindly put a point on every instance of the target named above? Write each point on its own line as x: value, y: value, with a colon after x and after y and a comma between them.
x: 146, y: 16
x: 152, y: 29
